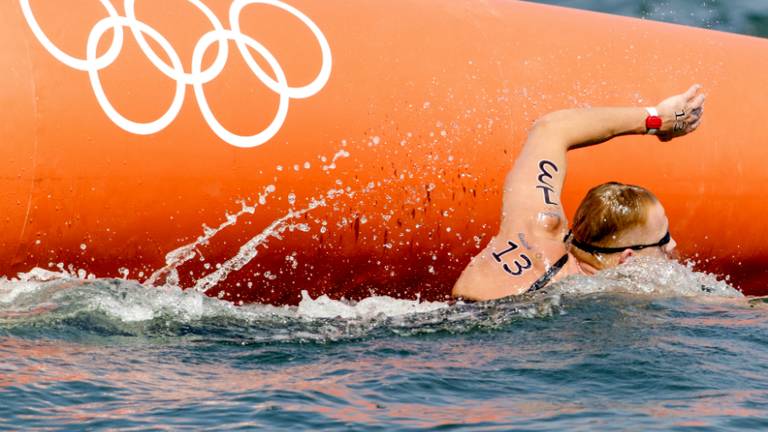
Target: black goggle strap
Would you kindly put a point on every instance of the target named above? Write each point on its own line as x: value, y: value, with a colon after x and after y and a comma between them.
x: 609, y: 250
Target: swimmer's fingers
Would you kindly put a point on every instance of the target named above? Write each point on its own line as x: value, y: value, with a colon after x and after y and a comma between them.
x: 681, y: 127
x: 676, y: 109
x: 696, y: 112
x: 680, y: 112
x: 691, y: 92
x: 696, y: 116
x: 697, y: 101
x: 695, y: 108
x: 695, y: 125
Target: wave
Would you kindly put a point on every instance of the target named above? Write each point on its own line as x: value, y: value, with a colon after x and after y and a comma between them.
x: 42, y: 303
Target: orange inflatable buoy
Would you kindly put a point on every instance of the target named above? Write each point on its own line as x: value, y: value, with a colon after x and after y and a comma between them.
x: 257, y: 148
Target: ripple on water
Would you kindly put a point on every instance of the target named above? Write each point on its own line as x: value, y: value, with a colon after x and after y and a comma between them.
x: 46, y: 302
x: 641, y: 347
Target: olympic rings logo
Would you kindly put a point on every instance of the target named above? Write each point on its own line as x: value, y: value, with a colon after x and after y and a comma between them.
x: 196, y: 77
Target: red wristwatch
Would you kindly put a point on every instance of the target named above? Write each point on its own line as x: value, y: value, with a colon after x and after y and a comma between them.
x: 653, y: 121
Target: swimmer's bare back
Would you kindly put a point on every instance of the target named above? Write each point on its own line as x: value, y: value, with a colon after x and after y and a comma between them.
x: 533, y: 223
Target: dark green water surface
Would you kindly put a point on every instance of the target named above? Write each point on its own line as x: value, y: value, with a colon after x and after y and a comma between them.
x: 748, y: 17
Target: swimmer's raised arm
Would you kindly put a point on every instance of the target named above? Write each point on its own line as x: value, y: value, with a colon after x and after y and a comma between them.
x: 534, y: 184
x: 530, y: 242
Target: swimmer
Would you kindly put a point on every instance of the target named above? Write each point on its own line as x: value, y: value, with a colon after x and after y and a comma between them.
x: 613, y: 223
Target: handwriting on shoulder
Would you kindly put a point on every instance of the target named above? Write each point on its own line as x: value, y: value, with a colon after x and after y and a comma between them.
x: 518, y: 267
x: 546, y: 172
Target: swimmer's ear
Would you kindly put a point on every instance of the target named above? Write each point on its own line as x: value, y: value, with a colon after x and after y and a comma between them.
x: 625, y: 255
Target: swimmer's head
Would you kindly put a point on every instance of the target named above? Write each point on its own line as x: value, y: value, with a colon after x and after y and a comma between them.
x: 622, y: 217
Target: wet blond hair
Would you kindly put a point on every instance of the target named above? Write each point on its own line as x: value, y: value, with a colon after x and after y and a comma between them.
x: 607, y: 211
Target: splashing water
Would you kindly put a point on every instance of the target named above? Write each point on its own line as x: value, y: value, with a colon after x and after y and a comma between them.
x: 168, y: 274
x: 116, y: 306
x: 649, y: 277
x: 181, y: 255
x: 248, y: 251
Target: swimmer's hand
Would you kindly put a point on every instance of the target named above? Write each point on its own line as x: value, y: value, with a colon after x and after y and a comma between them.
x: 681, y: 114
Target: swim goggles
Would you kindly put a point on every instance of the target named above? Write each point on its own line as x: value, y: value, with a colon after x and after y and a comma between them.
x: 609, y: 250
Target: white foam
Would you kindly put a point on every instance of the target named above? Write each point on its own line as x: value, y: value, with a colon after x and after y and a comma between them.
x: 370, y: 307
x: 138, y: 305
x: 650, y: 277
x: 40, y: 298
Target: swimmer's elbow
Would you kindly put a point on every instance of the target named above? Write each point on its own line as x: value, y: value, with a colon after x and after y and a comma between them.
x: 459, y: 288
x: 457, y: 292
x: 552, y: 121
x: 551, y: 129
x: 542, y: 124
x: 462, y: 287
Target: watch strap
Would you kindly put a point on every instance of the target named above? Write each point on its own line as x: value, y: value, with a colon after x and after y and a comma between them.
x: 653, y: 121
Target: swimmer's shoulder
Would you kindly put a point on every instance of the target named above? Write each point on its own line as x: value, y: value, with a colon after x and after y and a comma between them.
x: 508, y: 265
x: 480, y: 279
x: 551, y: 228
x: 548, y: 226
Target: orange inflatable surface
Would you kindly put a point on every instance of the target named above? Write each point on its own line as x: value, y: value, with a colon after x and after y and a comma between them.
x: 257, y: 148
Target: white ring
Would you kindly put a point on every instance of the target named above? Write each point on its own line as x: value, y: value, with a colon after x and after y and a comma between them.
x: 131, y: 126
x: 187, y: 78
x: 197, y: 77
x: 282, y: 111
x: 293, y: 92
x: 75, y: 63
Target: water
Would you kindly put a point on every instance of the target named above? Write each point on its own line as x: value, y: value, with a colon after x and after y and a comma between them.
x: 651, y: 346
x: 736, y: 16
